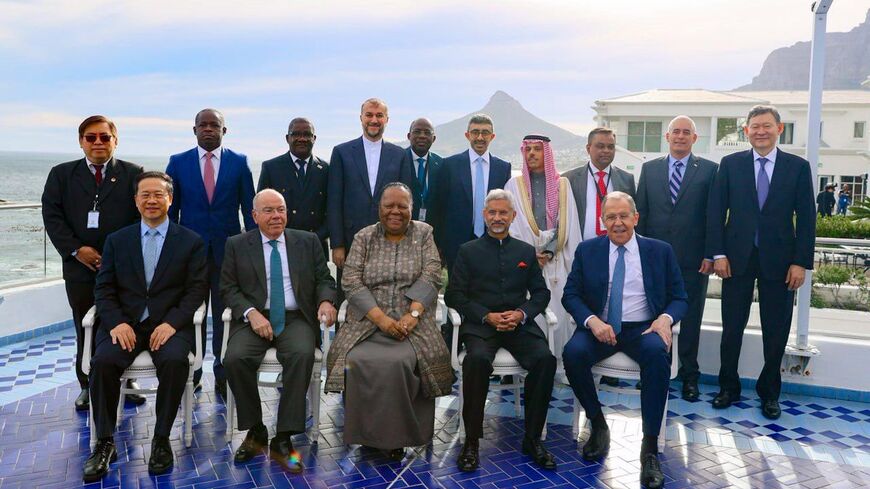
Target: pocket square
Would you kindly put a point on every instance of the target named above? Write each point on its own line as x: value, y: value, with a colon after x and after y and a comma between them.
x: 522, y: 264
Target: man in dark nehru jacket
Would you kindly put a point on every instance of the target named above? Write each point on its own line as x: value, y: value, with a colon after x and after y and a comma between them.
x: 84, y: 201
x: 497, y: 286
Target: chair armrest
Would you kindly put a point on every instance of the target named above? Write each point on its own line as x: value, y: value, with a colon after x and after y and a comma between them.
x: 552, y: 321
x: 456, y: 320
x: 675, y: 329
x: 324, y: 346
x: 226, y: 317
x: 88, y: 326
x: 440, y: 307
x: 342, y: 312
x: 199, y: 317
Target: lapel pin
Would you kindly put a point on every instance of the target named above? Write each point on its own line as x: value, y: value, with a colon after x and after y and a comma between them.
x: 112, y: 179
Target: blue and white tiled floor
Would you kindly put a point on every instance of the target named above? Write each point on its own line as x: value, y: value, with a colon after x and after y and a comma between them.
x: 818, y: 443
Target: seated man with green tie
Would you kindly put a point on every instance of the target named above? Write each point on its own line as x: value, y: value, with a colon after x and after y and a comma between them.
x: 278, y: 287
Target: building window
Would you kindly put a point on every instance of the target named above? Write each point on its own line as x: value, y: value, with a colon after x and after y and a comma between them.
x: 644, y: 136
x: 787, y: 136
x: 856, y: 185
x: 729, y: 131
x: 859, y: 130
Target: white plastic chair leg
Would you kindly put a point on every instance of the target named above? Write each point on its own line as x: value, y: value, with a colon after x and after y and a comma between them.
x: 518, y: 410
x: 121, y: 399
x: 314, y: 400
x: 187, y: 404
x: 460, y: 423
x: 231, y: 412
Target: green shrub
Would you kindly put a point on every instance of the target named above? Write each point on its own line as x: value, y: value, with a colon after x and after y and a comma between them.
x: 817, y: 301
x: 842, y: 227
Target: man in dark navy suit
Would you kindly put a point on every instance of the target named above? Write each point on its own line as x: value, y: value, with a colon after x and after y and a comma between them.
x: 152, y: 280
x: 426, y: 165
x: 212, y: 184
x: 358, y: 171
x: 761, y: 227
x: 624, y: 292
x: 456, y: 200
x: 301, y: 178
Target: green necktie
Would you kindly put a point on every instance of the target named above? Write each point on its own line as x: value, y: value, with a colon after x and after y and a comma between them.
x: 276, y: 290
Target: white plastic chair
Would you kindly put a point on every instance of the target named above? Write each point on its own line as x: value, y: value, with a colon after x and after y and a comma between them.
x: 621, y: 366
x: 271, y: 364
x: 503, y: 364
x: 143, y: 367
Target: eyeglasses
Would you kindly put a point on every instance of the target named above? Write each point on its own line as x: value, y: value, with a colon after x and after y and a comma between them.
x: 423, y: 132
x: 300, y: 134
x: 150, y: 195
x: 92, y: 138
x: 478, y: 132
x: 272, y: 210
x: 613, y: 217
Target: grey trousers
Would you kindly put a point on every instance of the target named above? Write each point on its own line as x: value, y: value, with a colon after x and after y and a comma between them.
x: 245, y: 352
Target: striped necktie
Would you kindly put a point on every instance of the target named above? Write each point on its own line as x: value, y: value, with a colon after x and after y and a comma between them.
x: 676, y: 181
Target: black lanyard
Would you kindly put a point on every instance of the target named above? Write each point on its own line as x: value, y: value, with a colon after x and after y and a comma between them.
x: 595, y: 183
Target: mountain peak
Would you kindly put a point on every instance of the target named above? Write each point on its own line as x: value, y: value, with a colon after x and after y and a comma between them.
x: 500, y: 98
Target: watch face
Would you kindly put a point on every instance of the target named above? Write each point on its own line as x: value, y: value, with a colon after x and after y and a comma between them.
x: 415, y: 314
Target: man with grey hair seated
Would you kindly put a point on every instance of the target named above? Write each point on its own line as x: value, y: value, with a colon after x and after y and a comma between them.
x: 498, y: 287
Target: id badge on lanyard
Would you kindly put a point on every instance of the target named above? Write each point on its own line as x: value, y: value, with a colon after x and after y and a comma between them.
x: 94, y: 216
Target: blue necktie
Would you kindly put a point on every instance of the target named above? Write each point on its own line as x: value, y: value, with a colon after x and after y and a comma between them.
x: 149, y: 258
x: 676, y: 181
x: 479, y: 196
x: 614, y: 308
x: 421, y: 176
x: 276, y: 290
x: 300, y: 169
x: 762, y: 185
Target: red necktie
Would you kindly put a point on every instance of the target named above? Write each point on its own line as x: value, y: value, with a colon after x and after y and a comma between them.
x: 208, y: 177
x: 602, y: 190
x: 98, y: 174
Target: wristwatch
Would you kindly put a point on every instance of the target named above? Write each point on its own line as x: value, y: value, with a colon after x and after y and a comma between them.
x: 415, y: 314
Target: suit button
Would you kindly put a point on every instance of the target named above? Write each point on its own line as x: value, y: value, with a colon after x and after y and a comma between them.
x: 312, y: 213
x: 294, y: 211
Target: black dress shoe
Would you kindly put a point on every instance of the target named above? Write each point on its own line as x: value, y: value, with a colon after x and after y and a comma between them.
x: 651, y: 471
x: 83, y: 402
x: 161, y: 456
x: 221, y: 388
x: 639, y: 385
x: 598, y: 444
x: 197, y: 387
x: 135, y: 399
x: 611, y: 381
x: 690, y: 390
x: 770, y: 409
x: 254, y: 444
x: 469, y: 458
x: 396, y: 455
x: 535, y: 448
x: 724, y: 399
x: 97, y: 465
x: 281, y: 450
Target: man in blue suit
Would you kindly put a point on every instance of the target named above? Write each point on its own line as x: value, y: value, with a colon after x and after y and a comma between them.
x: 761, y: 227
x: 456, y: 200
x: 624, y: 292
x: 358, y: 171
x: 425, y: 163
x: 212, y: 184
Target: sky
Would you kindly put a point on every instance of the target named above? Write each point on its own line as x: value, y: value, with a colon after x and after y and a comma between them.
x: 152, y: 65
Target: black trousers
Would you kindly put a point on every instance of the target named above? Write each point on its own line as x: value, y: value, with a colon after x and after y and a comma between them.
x: 81, y: 297
x: 776, y: 306
x: 690, y: 326
x: 217, y: 310
x: 110, y: 361
x: 532, y: 353
x: 245, y: 352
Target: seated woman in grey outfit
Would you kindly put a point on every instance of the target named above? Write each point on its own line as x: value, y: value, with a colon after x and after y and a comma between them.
x: 389, y: 356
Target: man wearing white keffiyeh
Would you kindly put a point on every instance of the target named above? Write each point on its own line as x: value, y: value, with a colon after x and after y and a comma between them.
x: 547, y: 219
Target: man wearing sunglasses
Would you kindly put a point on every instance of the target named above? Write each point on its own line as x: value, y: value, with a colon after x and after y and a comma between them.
x: 84, y: 201
x: 301, y: 178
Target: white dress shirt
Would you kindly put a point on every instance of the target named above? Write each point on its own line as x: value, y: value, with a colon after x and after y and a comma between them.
x: 215, y: 162
x: 473, y: 156
x: 307, y: 161
x: 591, y: 196
x: 635, y: 307
x: 97, y: 168
x: 290, y: 303
x: 373, y: 160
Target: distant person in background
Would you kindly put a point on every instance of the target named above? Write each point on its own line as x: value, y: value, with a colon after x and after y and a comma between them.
x: 301, y: 178
x: 426, y: 164
x: 84, y: 201
x: 358, y: 171
x: 212, y: 184
x: 672, y: 197
x: 547, y: 219
x: 844, y: 200
x: 825, y: 201
x: 765, y: 237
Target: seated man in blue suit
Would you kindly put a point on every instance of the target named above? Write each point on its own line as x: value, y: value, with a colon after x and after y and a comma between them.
x: 212, y: 184
x: 426, y: 164
x: 624, y: 292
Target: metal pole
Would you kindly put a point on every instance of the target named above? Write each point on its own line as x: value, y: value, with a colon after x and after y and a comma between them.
x: 814, y: 118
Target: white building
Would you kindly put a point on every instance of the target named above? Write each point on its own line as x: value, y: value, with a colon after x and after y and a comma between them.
x: 640, y: 121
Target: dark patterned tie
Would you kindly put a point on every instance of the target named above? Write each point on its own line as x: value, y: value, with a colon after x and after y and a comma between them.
x: 676, y: 181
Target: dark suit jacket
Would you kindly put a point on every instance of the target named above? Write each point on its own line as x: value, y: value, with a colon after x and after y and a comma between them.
x: 683, y: 225
x: 492, y: 276
x: 243, y: 276
x: 786, y: 225
x: 586, y: 287
x: 620, y: 180
x: 234, y: 190
x: 432, y: 167
x: 451, y: 201
x: 178, y: 288
x: 69, y: 196
x: 306, y: 200
x: 351, y: 205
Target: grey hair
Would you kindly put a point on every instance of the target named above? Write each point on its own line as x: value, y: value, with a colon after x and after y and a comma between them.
x: 401, y: 186
x: 481, y: 119
x: 374, y: 101
x: 617, y: 195
x: 761, y: 110
x: 498, y: 194
x: 267, y: 191
x: 680, y: 117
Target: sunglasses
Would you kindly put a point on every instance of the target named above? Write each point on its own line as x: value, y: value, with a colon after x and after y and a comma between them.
x: 92, y: 138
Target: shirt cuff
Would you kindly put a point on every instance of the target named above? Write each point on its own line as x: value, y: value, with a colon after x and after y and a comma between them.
x: 669, y: 317
x: 245, y: 314
x: 716, y: 257
x: 586, y: 322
